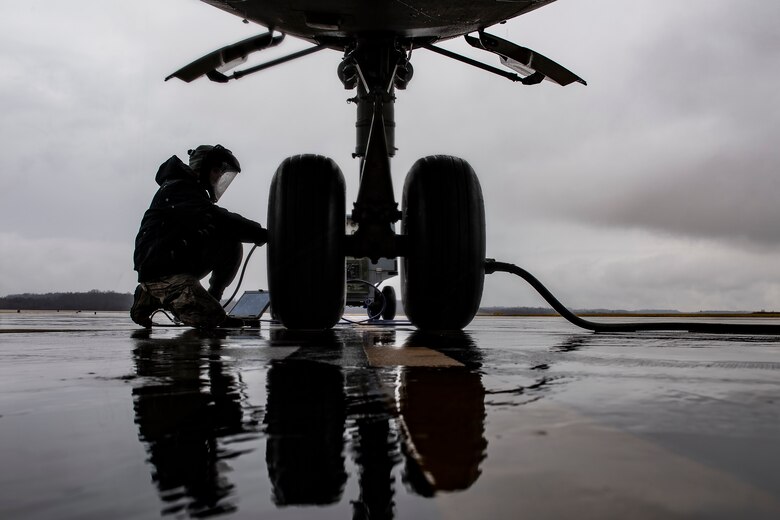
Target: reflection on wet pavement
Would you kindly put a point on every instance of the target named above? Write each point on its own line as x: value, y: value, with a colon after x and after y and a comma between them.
x: 193, y: 418
x: 188, y: 405
x: 442, y: 416
x: 387, y: 422
x: 305, y: 419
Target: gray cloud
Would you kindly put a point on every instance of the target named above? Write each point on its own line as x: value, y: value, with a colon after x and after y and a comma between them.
x: 693, y: 151
x: 731, y: 196
x: 615, y: 192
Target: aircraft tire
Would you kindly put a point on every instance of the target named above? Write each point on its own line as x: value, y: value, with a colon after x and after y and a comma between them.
x: 374, y: 308
x: 390, y: 303
x: 306, y: 263
x: 443, y: 272
x: 388, y: 299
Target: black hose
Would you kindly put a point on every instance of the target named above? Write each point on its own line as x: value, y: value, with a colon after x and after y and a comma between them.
x: 371, y: 317
x: 492, y: 266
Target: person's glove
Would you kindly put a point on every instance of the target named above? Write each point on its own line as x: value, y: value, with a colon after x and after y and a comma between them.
x: 262, y: 237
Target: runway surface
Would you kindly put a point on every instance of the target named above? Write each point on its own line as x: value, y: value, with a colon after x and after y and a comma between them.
x: 514, y: 418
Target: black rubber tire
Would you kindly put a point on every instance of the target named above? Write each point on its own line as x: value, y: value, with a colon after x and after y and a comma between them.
x: 383, y: 305
x: 390, y: 303
x: 444, y: 221
x: 306, y: 228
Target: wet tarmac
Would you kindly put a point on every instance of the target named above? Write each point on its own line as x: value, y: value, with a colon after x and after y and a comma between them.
x: 513, y: 418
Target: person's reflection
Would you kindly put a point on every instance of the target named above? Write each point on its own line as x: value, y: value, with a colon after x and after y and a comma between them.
x: 186, y: 403
x: 443, y: 416
x: 304, y: 421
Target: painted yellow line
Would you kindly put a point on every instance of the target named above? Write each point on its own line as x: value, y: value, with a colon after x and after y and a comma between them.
x: 385, y: 356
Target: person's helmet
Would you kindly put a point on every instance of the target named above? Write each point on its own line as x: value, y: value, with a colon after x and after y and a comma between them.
x: 205, y: 159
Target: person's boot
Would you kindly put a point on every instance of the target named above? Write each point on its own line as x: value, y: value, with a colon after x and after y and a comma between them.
x: 144, y: 304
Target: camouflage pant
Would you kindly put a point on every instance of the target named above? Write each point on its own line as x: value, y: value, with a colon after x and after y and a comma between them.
x: 185, y: 297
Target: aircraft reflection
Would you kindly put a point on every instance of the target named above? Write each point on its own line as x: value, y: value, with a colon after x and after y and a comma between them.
x: 304, y: 421
x: 442, y: 413
x: 324, y: 403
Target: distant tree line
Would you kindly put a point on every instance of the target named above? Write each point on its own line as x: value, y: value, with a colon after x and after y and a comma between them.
x: 93, y: 300
x: 517, y: 311
x: 546, y: 311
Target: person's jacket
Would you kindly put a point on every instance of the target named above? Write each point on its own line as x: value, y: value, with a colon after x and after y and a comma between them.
x: 181, y: 221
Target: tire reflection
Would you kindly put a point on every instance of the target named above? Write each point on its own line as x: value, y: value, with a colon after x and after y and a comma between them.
x: 304, y: 421
x: 442, y: 414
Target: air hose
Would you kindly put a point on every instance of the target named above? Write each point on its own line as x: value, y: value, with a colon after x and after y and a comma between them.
x: 492, y: 266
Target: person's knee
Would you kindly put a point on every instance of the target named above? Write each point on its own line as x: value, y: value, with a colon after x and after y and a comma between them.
x: 227, y: 261
x: 232, y: 252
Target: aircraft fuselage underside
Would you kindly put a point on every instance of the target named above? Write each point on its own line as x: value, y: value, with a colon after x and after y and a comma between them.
x: 327, y: 21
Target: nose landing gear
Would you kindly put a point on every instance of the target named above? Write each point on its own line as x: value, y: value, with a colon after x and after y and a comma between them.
x: 443, y: 230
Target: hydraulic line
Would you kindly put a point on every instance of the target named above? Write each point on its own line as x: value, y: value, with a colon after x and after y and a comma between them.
x: 492, y: 266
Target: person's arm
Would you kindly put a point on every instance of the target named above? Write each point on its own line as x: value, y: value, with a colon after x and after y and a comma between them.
x: 240, y: 227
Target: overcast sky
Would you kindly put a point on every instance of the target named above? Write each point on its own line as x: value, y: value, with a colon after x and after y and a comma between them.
x: 655, y: 186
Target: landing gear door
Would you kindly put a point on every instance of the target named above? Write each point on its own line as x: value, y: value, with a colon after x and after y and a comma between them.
x: 531, y: 64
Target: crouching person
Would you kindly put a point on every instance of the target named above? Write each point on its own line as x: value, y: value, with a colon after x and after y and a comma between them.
x: 184, y: 236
